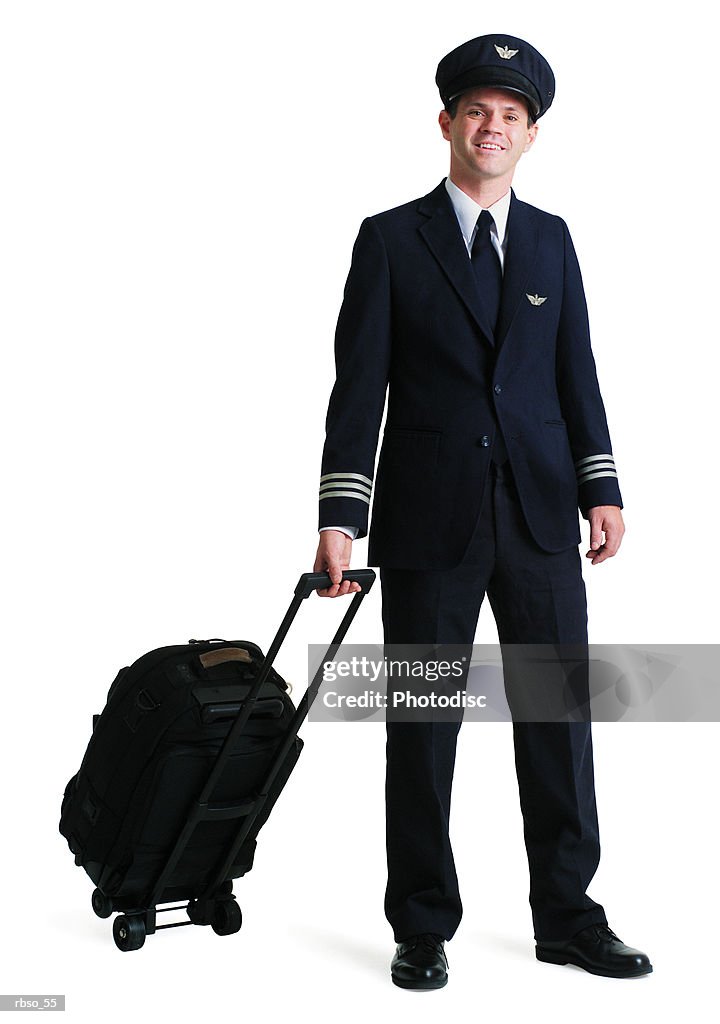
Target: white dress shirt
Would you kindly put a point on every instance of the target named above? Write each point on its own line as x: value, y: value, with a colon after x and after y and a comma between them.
x: 467, y: 212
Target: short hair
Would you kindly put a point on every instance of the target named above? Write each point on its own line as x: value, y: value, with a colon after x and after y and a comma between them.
x: 452, y: 105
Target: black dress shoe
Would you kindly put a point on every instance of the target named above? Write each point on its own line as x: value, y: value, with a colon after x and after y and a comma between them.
x: 420, y: 962
x: 598, y: 950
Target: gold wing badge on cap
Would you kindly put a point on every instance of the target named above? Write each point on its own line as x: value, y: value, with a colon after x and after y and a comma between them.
x: 505, y: 52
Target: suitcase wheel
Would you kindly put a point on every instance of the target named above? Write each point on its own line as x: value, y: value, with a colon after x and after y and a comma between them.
x: 227, y: 917
x: 101, y: 904
x: 128, y: 932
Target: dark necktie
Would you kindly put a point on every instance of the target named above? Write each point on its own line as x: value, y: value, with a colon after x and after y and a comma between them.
x: 488, y: 273
x: 486, y: 266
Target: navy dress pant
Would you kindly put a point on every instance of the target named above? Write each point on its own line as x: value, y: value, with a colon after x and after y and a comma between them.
x: 536, y: 598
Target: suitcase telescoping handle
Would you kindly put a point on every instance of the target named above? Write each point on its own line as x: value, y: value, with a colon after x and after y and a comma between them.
x: 308, y: 582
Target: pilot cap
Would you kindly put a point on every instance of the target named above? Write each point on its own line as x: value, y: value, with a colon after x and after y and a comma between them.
x: 504, y: 62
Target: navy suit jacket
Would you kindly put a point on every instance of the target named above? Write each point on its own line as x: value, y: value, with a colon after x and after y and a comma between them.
x: 412, y: 326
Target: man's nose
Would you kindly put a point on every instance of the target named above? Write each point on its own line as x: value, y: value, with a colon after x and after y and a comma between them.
x: 492, y: 123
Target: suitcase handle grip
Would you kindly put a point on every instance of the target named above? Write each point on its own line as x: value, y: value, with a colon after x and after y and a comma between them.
x: 310, y: 581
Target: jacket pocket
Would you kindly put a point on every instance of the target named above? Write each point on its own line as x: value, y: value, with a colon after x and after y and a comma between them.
x: 556, y: 423
x: 408, y: 458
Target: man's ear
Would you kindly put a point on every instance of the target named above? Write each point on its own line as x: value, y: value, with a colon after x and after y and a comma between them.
x: 444, y: 122
x: 532, y: 135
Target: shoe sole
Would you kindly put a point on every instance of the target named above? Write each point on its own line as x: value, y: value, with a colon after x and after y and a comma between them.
x: 419, y: 985
x: 549, y: 957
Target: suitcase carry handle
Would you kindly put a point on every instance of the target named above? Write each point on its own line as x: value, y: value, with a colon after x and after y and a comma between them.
x: 310, y: 581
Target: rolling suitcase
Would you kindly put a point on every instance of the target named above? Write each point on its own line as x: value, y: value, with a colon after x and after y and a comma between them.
x: 191, y: 751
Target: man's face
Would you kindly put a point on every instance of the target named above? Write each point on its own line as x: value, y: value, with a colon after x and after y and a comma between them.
x: 488, y: 134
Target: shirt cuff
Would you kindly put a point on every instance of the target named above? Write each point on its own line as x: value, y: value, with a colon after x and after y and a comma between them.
x: 351, y: 531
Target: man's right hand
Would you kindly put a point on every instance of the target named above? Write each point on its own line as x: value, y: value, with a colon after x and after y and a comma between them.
x: 333, y: 556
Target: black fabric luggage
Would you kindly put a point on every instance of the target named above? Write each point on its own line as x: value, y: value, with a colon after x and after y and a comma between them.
x: 193, y: 748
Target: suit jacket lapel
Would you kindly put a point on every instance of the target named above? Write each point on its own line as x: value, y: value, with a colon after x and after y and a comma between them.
x: 522, y: 241
x: 442, y: 234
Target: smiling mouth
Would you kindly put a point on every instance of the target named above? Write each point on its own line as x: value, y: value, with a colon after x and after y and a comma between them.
x: 489, y: 146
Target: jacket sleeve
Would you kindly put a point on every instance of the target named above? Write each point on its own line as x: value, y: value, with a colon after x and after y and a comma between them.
x: 579, y: 392
x: 357, y: 400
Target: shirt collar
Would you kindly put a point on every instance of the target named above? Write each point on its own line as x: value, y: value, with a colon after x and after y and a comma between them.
x: 468, y: 211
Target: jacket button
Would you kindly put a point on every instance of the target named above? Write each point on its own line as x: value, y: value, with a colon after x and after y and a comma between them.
x: 484, y: 441
x: 498, y: 389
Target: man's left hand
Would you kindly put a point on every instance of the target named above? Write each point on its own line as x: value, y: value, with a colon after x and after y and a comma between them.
x: 607, y: 520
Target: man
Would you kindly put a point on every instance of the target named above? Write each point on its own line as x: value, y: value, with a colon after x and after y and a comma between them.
x: 467, y: 306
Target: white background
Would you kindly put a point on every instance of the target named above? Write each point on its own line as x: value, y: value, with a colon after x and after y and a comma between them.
x: 181, y: 185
